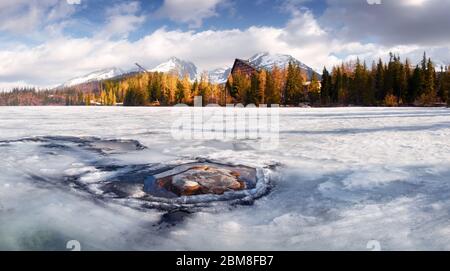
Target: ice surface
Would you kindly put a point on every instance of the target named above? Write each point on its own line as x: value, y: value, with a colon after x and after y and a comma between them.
x: 347, y: 176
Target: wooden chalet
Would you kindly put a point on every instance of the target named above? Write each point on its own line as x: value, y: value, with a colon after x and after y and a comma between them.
x: 243, y: 67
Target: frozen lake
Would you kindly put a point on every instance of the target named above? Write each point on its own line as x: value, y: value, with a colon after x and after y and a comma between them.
x: 341, y: 177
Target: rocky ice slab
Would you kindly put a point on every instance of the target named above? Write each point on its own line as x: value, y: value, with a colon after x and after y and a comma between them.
x: 156, y: 185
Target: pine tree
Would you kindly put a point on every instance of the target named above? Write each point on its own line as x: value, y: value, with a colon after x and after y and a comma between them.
x: 344, y: 86
x: 357, y: 84
x: 336, y: 82
x: 136, y: 96
x: 155, y: 86
x: 179, y: 93
x: 389, y: 77
x: 294, y: 85
x: 415, y: 85
x: 314, y: 90
x: 270, y: 89
x: 241, y: 87
x: 397, y: 74
x: 326, y: 86
x: 443, y: 85
x: 380, y: 92
x: 406, y: 75
x: 429, y: 95
x: 252, y: 94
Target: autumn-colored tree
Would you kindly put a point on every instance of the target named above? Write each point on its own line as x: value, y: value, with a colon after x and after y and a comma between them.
x: 262, y: 78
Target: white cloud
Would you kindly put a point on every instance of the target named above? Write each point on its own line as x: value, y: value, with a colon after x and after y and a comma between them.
x: 407, y: 22
x: 73, y: 2
x: 62, y: 58
x: 25, y: 16
x: 413, y: 2
x: 122, y: 19
x: 192, y: 12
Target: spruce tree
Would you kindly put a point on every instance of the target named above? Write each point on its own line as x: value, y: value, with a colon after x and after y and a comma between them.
x: 270, y: 88
x: 252, y: 94
x: 405, y: 81
x: 415, y: 85
x: 314, y: 90
x: 241, y: 87
x: 293, y: 86
x: 336, y: 84
x: 325, y: 89
x: 429, y: 95
x: 179, y: 93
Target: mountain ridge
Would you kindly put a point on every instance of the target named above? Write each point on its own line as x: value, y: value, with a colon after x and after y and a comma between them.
x: 263, y: 60
x: 94, y: 76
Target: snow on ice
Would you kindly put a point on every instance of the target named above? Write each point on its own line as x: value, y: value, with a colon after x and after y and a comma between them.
x: 345, y: 176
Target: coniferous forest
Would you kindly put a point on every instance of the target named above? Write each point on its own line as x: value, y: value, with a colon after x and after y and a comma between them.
x: 392, y: 83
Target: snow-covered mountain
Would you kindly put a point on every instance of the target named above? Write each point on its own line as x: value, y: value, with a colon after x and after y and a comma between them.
x: 219, y: 76
x: 268, y: 61
x: 263, y: 61
x: 178, y: 66
x: 93, y: 77
x: 182, y: 68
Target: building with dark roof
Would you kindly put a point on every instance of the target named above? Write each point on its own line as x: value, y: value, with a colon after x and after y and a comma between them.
x: 243, y: 67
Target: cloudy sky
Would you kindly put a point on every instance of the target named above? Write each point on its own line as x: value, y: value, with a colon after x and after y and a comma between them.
x: 46, y: 42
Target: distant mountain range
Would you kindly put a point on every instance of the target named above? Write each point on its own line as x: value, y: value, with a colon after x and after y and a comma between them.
x: 94, y: 77
x: 268, y: 61
x: 181, y: 68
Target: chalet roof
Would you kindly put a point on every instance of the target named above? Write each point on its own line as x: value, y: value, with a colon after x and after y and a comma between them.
x: 245, y: 62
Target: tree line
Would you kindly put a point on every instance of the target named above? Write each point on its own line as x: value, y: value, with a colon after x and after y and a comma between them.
x: 287, y: 86
x: 165, y: 89
x: 394, y: 83
x: 391, y: 83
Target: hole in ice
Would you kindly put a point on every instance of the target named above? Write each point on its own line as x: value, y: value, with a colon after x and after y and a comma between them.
x: 90, y: 165
x: 192, y: 184
x: 200, y: 179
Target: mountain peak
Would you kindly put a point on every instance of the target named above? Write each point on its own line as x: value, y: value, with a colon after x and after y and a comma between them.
x: 266, y: 60
x: 259, y: 55
x: 220, y: 75
x: 175, y: 59
x: 177, y: 66
x: 99, y: 75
